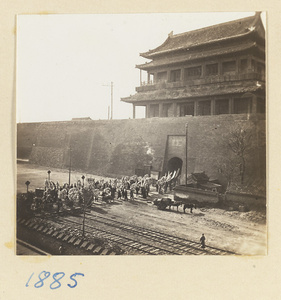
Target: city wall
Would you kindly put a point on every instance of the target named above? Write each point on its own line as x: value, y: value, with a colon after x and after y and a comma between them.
x: 119, y: 147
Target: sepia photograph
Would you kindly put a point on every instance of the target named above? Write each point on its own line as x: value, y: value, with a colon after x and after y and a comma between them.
x: 141, y: 134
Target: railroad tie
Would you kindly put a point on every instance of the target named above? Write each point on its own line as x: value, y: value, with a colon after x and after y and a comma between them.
x: 105, y: 252
x: 127, y: 243
x: 84, y: 244
x: 77, y: 242
x: 40, y: 228
x: 154, y: 251
x: 45, y: 229
x: 66, y: 238
x: 35, y: 226
x: 51, y: 231
x: 115, y: 239
x: 55, y: 234
x: 90, y: 247
x: 97, y: 250
x: 71, y: 241
x: 27, y: 222
x: 60, y: 236
x: 142, y: 247
x: 31, y: 224
x: 197, y: 252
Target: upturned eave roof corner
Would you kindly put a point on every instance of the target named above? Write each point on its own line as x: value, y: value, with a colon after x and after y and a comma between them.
x: 148, y: 53
x: 259, y: 26
x: 207, y: 35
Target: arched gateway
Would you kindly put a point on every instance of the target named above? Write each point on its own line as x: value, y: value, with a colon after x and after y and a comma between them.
x: 174, y: 164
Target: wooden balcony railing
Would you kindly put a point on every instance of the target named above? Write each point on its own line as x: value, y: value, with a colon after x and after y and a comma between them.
x: 154, y: 85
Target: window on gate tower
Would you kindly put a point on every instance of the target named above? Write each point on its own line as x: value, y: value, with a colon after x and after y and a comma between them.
x: 187, y: 109
x: 166, y: 107
x: 154, y: 110
x: 212, y: 69
x: 162, y: 76
x: 243, y: 65
x: 193, y: 72
x: 222, y: 106
x: 175, y: 75
x: 204, y: 108
x: 229, y: 67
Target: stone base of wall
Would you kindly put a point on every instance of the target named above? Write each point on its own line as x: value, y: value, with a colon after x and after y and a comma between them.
x: 231, y: 200
x: 192, y: 195
x: 250, y: 202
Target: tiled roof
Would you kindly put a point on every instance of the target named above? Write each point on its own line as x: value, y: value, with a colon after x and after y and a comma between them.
x: 207, y: 35
x: 193, y: 92
x: 193, y: 55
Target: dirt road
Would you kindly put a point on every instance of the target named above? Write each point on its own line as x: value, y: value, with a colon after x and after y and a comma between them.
x: 240, y: 232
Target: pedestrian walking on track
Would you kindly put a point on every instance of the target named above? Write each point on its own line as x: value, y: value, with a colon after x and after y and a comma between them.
x: 202, y: 241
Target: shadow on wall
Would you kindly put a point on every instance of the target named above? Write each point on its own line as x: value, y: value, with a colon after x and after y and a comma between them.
x: 128, y: 156
x: 121, y: 146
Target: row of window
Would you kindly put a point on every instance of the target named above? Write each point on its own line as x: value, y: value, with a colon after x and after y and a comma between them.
x: 221, y: 107
x: 240, y: 106
x: 228, y: 67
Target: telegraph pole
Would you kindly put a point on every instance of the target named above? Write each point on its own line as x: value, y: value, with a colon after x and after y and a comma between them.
x: 186, y: 144
x: 111, y: 94
x: 110, y: 110
x: 69, y: 173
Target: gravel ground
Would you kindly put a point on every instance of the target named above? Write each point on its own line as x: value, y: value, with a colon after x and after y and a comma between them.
x: 240, y: 232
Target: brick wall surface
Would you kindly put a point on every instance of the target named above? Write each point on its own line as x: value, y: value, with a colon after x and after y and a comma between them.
x: 120, y: 146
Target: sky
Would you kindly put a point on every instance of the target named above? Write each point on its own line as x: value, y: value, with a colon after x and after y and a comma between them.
x: 66, y: 63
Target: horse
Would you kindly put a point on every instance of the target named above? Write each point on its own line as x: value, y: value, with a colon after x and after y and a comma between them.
x: 189, y: 205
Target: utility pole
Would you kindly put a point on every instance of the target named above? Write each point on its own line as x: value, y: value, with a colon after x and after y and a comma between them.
x: 110, y: 110
x: 111, y: 94
x: 186, y: 144
x: 69, y: 173
x: 83, y: 194
x: 27, y: 184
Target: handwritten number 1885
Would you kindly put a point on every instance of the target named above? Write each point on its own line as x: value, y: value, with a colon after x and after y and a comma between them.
x: 55, y: 284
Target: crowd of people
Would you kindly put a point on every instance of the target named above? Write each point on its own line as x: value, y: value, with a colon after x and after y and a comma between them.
x: 67, y: 196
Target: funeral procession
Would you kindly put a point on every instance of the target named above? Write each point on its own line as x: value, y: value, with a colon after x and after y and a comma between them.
x: 188, y: 177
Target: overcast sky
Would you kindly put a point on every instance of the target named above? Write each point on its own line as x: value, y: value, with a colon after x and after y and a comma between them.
x: 65, y: 63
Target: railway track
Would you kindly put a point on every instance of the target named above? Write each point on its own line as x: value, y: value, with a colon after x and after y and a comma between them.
x: 24, y: 248
x: 138, y: 240
x: 165, y: 238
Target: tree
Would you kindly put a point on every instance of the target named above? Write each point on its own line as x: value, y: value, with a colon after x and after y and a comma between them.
x: 239, y: 143
x: 227, y: 166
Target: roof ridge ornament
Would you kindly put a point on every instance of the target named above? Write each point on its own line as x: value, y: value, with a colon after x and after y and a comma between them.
x: 252, y: 28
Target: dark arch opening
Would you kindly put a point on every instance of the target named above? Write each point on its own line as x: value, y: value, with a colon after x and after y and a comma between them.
x: 174, y: 164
